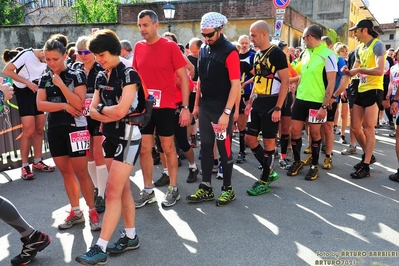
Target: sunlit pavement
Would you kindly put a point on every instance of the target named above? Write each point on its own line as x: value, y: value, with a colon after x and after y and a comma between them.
x: 334, y: 220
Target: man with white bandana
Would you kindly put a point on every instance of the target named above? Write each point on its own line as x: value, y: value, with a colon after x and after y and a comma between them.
x: 218, y: 89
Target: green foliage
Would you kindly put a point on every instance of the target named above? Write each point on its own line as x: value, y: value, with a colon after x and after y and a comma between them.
x: 11, y: 13
x: 95, y: 11
x: 336, y: 37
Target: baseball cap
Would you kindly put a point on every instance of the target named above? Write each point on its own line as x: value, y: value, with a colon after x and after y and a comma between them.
x: 365, y: 23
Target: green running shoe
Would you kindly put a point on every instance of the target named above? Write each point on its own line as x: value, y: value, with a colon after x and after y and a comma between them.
x: 259, y: 188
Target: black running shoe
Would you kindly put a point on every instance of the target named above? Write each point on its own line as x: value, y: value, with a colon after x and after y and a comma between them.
x: 359, y: 164
x: 360, y: 173
x: 163, y: 181
x: 395, y: 176
x: 36, y: 242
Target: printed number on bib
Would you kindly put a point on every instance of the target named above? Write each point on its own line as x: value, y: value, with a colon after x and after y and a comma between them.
x: 86, y: 107
x: 157, y: 94
x: 363, y: 78
x: 80, y: 140
x: 312, y: 117
x: 219, y: 134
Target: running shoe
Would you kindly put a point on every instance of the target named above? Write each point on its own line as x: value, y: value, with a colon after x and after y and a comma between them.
x: 290, y: 155
x: 162, y: 181
x: 395, y: 176
x: 393, y: 134
x: 94, y: 256
x: 171, y: 197
x: 215, y: 168
x: 99, y: 204
x: 124, y: 243
x: 285, y: 164
x: 258, y: 188
x: 295, y: 168
x: 35, y: 242
x: 343, y: 140
x: 219, y: 175
x: 348, y: 151
x: 145, y: 198
x: 273, y: 176
x: 308, y: 160
x: 313, y: 174
x: 72, y: 219
x: 336, y: 130
x: 192, y: 175
x: 204, y: 193
x: 327, y: 164
x: 359, y: 164
x: 308, y: 150
x: 360, y: 173
x: 241, y: 158
x: 226, y: 197
x: 95, y: 223
x: 43, y: 167
x: 26, y: 173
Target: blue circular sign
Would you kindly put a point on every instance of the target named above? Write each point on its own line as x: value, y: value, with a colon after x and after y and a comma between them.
x: 281, y: 3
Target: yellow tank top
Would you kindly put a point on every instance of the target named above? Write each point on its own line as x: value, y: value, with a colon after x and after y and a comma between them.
x: 367, y: 60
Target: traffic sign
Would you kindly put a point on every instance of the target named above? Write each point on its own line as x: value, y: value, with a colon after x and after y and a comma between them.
x: 277, y: 27
x: 281, y: 3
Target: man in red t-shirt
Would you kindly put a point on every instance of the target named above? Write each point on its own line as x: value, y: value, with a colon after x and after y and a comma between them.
x: 159, y: 61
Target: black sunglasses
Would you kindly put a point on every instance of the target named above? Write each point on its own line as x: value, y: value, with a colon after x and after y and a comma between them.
x: 209, y: 35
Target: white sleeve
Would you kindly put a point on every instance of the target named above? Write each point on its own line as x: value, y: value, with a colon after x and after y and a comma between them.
x: 19, y: 59
x: 331, y: 63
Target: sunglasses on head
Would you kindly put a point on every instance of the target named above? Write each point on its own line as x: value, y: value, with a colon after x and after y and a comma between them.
x: 85, y: 52
x: 209, y: 35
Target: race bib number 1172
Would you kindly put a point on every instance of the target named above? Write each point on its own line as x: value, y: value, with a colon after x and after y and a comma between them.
x: 80, y: 140
x: 312, y: 117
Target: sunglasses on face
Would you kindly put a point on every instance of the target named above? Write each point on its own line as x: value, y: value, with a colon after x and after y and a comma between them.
x: 85, y: 52
x: 209, y: 35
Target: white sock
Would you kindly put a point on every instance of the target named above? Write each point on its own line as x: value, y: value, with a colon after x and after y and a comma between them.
x: 103, y: 244
x: 91, y: 167
x: 76, y: 210
x: 102, y: 177
x: 25, y: 164
x: 130, y: 232
x: 37, y: 160
x: 353, y: 145
x: 165, y: 170
x: 149, y: 190
x: 194, y: 165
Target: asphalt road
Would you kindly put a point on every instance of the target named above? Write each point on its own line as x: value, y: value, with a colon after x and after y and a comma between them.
x: 334, y: 219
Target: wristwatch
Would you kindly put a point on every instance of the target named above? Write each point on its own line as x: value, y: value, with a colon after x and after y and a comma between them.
x: 184, y: 107
x: 277, y: 108
x: 324, y: 106
x: 227, y: 111
x: 100, y: 107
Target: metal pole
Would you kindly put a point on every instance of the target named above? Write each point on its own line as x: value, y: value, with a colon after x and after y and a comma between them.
x: 169, y: 25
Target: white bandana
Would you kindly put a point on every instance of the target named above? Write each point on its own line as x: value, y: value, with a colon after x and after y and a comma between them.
x: 213, y: 20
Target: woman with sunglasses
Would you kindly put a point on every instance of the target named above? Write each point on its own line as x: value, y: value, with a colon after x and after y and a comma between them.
x: 96, y: 162
x: 62, y: 92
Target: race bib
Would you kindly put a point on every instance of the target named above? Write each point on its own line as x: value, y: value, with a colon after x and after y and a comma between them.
x: 219, y: 134
x: 86, y: 107
x: 157, y: 94
x: 80, y: 140
x: 395, y: 85
x: 363, y: 78
x: 312, y: 117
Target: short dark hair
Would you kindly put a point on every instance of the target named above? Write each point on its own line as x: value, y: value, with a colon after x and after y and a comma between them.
x: 169, y: 34
x: 150, y: 13
x: 56, y: 42
x: 105, y: 40
x: 315, y: 31
x: 327, y: 40
x: 282, y: 44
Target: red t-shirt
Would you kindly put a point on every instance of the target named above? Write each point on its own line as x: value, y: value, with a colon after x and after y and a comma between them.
x: 157, y: 64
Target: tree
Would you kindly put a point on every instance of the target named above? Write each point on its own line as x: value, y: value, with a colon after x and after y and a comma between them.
x: 11, y: 12
x: 95, y: 11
